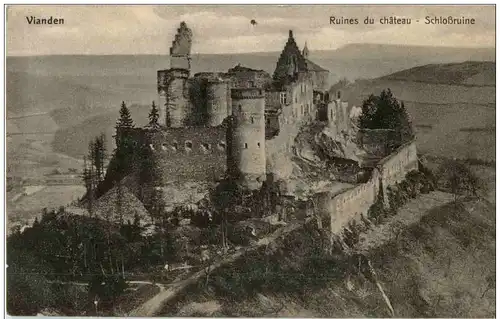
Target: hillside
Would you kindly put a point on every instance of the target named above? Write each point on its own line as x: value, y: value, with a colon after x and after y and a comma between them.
x: 439, y: 267
x: 451, y: 105
x: 471, y: 73
x: 415, y: 52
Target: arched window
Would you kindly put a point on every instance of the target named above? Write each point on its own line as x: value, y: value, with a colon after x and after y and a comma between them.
x: 258, y: 145
x: 246, y: 145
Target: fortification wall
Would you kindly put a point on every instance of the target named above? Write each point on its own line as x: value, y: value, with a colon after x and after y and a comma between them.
x: 394, y: 167
x: 188, y: 154
x: 249, y: 79
x: 338, y: 209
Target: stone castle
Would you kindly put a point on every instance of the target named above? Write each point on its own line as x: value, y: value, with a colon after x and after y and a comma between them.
x: 235, y: 124
x: 209, y: 119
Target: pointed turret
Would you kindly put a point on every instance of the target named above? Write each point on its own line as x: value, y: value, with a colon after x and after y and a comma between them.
x: 290, y: 62
x: 305, y: 51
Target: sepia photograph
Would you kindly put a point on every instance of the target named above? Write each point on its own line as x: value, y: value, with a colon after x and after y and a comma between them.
x: 256, y: 160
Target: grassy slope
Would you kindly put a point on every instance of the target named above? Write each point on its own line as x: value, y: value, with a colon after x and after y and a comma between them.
x: 436, y: 268
x: 466, y: 73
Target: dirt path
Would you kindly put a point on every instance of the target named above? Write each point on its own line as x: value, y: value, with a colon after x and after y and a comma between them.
x: 154, y: 305
x: 409, y: 214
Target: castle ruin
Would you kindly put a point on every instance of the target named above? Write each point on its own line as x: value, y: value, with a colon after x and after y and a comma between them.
x: 243, y: 109
x: 216, y: 125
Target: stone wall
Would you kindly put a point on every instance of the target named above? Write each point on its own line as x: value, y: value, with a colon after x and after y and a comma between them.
x: 394, y: 167
x: 217, y: 102
x: 338, y: 209
x: 188, y: 154
x: 321, y: 80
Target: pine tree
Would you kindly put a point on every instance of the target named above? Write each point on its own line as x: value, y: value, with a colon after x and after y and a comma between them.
x: 97, y: 150
x: 125, y: 120
x: 154, y: 115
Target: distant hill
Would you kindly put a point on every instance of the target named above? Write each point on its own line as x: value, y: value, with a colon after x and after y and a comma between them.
x: 471, y: 73
x: 413, y: 52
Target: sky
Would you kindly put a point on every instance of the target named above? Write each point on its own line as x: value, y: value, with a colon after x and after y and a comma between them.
x: 122, y: 29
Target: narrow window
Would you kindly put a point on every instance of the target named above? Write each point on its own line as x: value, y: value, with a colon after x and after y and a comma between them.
x: 205, y: 147
x: 246, y: 145
x: 268, y: 121
x: 251, y: 119
x: 222, y: 146
x: 239, y: 108
x: 258, y: 145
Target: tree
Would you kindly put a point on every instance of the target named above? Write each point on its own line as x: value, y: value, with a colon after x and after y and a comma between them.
x: 154, y: 115
x: 125, y: 120
x: 88, y: 179
x: 123, y: 124
x: 459, y: 178
x: 385, y: 112
x: 98, y: 155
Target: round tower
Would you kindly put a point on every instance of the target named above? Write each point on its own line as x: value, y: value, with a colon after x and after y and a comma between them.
x: 217, y: 101
x: 246, y: 137
x: 173, y: 90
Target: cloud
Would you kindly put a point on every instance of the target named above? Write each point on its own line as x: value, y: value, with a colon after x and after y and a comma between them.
x: 110, y: 29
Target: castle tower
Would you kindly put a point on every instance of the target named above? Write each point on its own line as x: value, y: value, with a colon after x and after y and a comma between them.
x: 217, y: 101
x: 173, y: 88
x: 246, y: 137
x: 290, y: 63
x: 180, y: 51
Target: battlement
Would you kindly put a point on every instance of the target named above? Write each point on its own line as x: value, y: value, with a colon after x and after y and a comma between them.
x: 247, y: 93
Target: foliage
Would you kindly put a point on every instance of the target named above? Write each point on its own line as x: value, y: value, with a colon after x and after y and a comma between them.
x: 125, y: 120
x: 154, y: 115
x: 97, y: 151
x: 106, y: 289
x: 385, y: 112
x: 456, y: 176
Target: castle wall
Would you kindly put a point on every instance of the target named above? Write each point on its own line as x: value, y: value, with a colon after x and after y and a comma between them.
x: 217, y: 100
x: 188, y: 154
x: 339, y: 209
x: 179, y: 62
x: 173, y: 89
x: 320, y: 80
x: 394, y: 167
x: 249, y: 79
x: 247, y: 156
